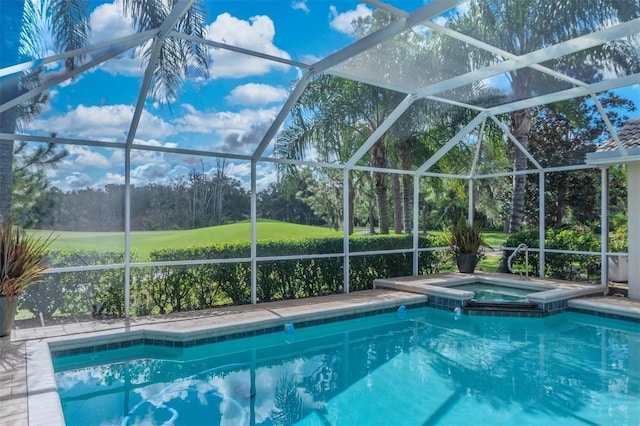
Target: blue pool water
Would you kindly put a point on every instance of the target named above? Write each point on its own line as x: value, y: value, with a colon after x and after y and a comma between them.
x: 422, y: 367
x: 495, y: 293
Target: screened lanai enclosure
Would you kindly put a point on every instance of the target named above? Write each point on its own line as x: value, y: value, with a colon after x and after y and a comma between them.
x: 181, y: 152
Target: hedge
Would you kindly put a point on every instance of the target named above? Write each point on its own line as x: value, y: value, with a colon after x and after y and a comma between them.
x: 558, y: 265
x: 163, y: 289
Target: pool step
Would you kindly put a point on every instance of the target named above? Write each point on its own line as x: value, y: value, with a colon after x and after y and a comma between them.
x: 516, y: 309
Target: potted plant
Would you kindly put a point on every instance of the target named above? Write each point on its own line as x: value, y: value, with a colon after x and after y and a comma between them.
x: 465, y: 241
x: 21, y: 265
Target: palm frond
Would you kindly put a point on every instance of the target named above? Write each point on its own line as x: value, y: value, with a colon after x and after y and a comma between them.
x: 69, y: 23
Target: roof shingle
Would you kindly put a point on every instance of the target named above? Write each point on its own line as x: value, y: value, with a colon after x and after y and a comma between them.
x: 629, y: 137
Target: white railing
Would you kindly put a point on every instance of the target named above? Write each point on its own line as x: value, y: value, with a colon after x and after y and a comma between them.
x: 526, y: 259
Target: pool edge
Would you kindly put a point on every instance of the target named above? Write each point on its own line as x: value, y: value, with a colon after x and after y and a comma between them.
x: 43, y: 401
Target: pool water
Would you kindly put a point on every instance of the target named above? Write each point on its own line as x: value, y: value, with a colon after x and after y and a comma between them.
x: 495, y: 293
x: 422, y: 367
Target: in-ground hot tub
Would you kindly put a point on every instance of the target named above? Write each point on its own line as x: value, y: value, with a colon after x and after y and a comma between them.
x: 495, y: 293
x: 492, y: 293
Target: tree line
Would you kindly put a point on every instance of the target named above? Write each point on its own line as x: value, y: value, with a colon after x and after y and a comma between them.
x: 313, y: 196
x: 335, y: 116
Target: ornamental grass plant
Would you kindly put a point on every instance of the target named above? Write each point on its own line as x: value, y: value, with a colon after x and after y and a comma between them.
x: 22, y: 259
x: 464, y: 238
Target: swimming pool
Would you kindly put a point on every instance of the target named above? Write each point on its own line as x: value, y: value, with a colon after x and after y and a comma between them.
x: 424, y: 366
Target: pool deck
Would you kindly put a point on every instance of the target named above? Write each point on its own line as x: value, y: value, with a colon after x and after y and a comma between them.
x: 26, y: 396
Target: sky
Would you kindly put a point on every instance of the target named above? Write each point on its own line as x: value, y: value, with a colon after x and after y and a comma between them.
x: 228, y: 112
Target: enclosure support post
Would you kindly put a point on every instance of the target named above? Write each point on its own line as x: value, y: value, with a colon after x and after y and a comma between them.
x: 604, y: 226
x: 346, y: 220
x: 633, y: 224
x: 470, y: 213
x: 254, y: 250
x: 541, y: 223
x: 416, y: 223
x: 127, y: 231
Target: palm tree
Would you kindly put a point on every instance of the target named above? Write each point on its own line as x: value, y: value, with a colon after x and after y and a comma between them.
x: 70, y: 29
x: 524, y: 26
x: 67, y: 23
x: 336, y: 116
x: 319, y: 123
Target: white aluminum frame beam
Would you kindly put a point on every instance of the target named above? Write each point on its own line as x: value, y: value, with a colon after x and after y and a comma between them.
x: 241, y: 50
x: 55, y: 78
x: 136, y: 37
x: 282, y: 115
x: 547, y: 53
x: 167, y: 26
x: 430, y: 10
x: 564, y: 95
x: 516, y: 142
x: 381, y: 130
x: 451, y: 143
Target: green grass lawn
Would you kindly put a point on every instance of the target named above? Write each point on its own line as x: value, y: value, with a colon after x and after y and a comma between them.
x: 143, y: 242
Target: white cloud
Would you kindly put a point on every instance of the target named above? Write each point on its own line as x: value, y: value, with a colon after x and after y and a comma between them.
x: 300, y: 5
x: 256, y: 34
x: 240, y: 171
x: 77, y: 180
x: 256, y: 94
x: 342, y: 22
x: 263, y: 182
x: 113, y: 179
x: 443, y: 20
x: 223, y: 122
x: 310, y: 59
x: 153, y: 142
x: 108, y: 22
x: 266, y: 174
x: 151, y: 172
x: 109, y: 122
x: 82, y: 156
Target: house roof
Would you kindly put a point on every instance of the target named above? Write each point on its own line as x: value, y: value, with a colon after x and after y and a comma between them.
x: 623, y: 147
x: 628, y: 135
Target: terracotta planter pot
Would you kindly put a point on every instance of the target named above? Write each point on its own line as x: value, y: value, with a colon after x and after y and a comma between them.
x: 7, y: 315
x: 467, y: 262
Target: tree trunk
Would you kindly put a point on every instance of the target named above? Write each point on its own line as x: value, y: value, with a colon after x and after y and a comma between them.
x: 11, y: 25
x: 372, y: 217
x: 7, y: 125
x: 397, y: 204
x: 379, y: 159
x: 407, y: 190
x: 381, y: 195
x: 520, y: 126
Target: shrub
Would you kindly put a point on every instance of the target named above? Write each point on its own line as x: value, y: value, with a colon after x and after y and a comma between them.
x: 163, y: 289
x: 557, y: 265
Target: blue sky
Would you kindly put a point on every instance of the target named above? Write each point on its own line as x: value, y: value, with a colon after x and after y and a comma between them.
x: 229, y: 112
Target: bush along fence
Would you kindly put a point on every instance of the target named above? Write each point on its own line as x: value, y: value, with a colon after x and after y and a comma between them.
x: 566, y: 266
x: 163, y: 289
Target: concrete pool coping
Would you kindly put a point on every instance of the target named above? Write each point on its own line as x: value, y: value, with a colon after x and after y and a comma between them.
x: 26, y: 402
x: 543, y: 291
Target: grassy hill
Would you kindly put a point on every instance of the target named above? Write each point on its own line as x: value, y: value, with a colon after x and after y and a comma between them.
x: 142, y: 243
